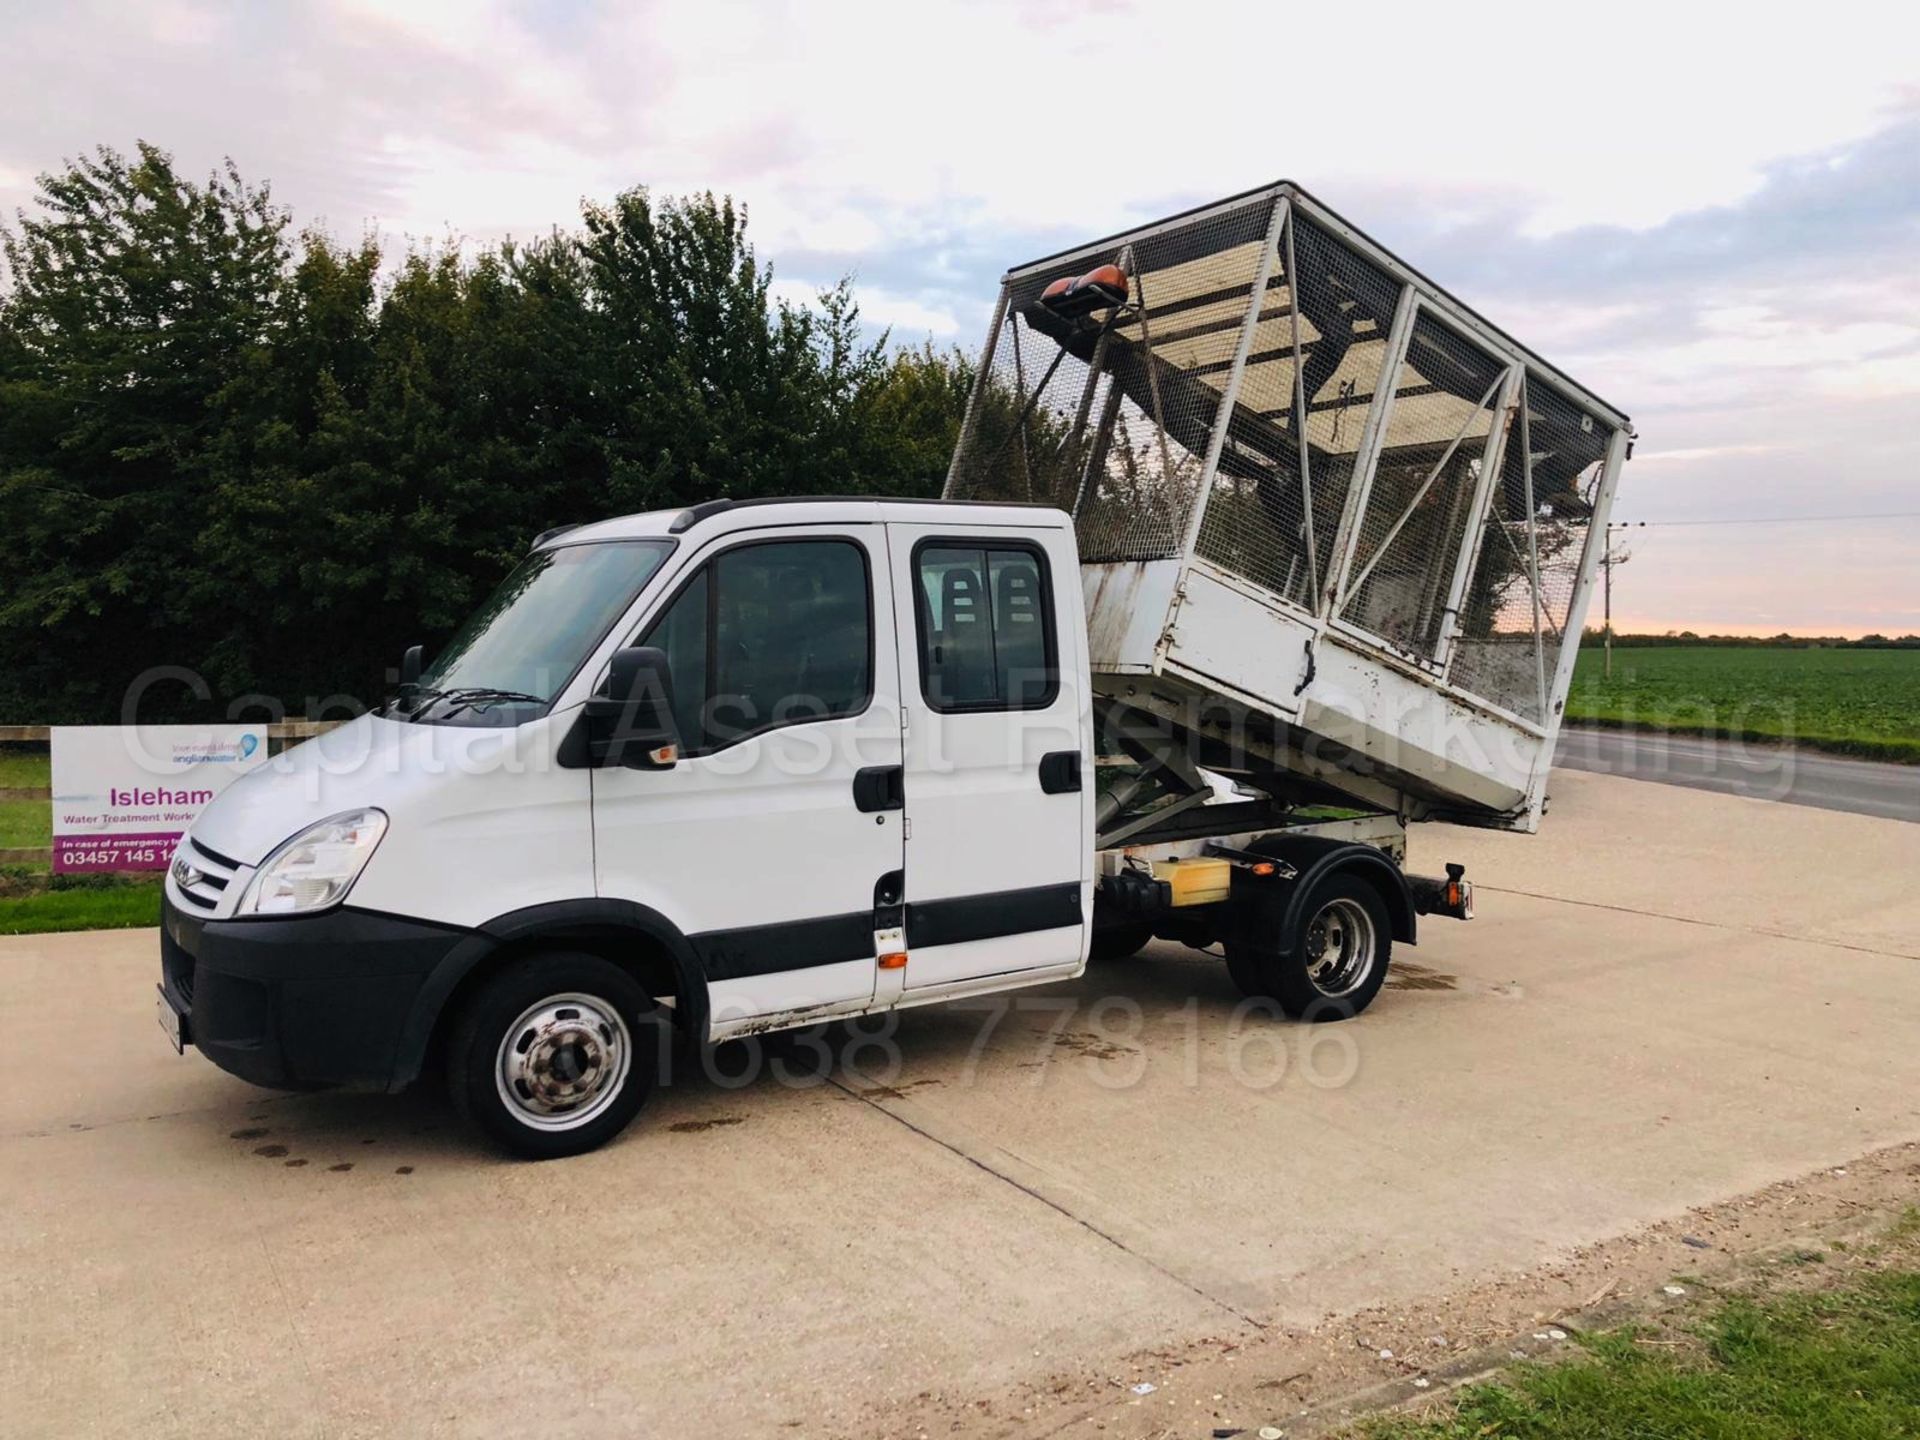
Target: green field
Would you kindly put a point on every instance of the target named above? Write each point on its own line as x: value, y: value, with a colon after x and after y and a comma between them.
x: 1852, y: 702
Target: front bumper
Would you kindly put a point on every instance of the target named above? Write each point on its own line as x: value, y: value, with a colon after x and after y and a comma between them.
x: 299, y: 1002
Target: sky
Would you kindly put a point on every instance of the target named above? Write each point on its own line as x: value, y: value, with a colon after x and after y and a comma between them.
x: 1709, y: 215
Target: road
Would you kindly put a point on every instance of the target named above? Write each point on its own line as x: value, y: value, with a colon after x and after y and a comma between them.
x: 1643, y: 1019
x: 1759, y: 772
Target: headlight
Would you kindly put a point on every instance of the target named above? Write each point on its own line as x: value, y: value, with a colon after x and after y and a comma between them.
x: 315, y: 868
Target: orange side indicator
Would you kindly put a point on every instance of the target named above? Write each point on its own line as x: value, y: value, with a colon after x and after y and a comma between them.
x: 894, y: 960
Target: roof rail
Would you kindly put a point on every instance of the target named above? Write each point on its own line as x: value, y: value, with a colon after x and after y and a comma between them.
x: 554, y: 534
x: 694, y: 514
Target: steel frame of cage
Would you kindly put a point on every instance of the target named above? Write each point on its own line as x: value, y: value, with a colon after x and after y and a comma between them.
x: 1346, y: 582
x: 1336, y: 581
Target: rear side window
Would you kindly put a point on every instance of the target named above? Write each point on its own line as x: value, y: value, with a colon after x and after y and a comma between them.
x: 767, y: 635
x: 985, y: 626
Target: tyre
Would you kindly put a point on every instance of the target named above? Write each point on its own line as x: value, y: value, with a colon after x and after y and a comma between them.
x: 1117, y: 942
x: 1335, y: 962
x: 554, y: 1055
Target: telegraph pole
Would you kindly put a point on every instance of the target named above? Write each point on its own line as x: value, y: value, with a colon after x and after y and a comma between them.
x: 1606, y: 626
x: 1608, y: 559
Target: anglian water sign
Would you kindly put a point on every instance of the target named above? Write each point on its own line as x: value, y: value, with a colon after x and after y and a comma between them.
x: 123, y: 795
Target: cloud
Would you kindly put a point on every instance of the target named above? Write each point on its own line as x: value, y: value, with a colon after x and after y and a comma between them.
x: 1698, y: 452
x: 907, y: 318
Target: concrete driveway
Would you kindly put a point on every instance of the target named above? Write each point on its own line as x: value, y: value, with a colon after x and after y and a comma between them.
x: 1670, y: 997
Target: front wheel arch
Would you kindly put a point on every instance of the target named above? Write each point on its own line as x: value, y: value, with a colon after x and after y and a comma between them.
x: 638, y: 939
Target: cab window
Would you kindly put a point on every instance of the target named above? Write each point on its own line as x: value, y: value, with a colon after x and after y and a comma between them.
x: 768, y: 634
x: 985, y: 626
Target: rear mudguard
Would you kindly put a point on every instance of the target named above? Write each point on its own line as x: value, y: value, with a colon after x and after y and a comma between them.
x: 1268, y: 910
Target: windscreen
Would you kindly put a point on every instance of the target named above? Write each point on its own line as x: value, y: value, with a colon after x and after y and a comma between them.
x: 532, y: 634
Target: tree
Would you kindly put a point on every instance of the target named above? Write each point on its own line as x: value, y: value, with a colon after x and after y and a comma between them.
x: 905, y: 415
x: 278, y: 463
x: 137, y: 308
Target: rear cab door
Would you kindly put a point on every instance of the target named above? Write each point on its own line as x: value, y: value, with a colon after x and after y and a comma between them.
x: 996, y: 746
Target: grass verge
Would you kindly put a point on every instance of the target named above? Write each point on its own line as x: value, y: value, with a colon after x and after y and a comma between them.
x: 39, y: 908
x: 1775, y: 1364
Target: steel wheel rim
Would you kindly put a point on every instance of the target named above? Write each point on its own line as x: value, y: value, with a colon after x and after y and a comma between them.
x: 563, y: 1062
x: 1340, y: 947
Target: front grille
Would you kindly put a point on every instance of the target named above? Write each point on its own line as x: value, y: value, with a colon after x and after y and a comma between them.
x: 214, y: 857
x: 215, y: 874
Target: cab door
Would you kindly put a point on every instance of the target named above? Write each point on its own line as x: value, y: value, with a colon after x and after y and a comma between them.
x: 766, y: 842
x: 998, y: 781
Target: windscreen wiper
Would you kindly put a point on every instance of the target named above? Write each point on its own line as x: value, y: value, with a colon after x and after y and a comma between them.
x: 465, y: 696
x: 416, y: 697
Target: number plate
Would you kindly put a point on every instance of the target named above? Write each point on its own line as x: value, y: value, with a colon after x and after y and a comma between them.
x: 170, y: 1023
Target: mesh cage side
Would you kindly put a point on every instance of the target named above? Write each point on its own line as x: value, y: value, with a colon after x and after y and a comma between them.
x: 1336, y: 319
x: 1110, y: 413
x: 1168, y: 361
x: 1495, y: 656
x: 1021, y: 442
x: 1416, y: 517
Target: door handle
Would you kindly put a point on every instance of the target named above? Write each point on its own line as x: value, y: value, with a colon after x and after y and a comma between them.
x: 879, y: 787
x: 1060, y: 772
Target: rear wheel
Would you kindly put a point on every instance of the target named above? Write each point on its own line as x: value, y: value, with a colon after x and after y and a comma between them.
x: 555, y: 1055
x: 1333, y: 964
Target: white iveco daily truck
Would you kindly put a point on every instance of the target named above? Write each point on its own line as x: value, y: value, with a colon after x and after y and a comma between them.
x: 1255, y: 548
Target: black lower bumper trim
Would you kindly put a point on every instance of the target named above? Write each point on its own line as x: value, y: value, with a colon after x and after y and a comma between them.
x: 303, y: 1001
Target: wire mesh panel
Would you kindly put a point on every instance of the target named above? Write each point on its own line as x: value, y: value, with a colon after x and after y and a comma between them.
x: 1446, y: 396
x: 1512, y: 629
x: 1109, y: 411
x: 1267, y: 485
x: 1026, y: 435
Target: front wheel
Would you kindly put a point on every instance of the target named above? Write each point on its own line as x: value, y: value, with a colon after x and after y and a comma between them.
x: 1335, y: 961
x: 554, y: 1055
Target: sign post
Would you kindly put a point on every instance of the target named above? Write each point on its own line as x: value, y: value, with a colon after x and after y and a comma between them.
x: 123, y: 795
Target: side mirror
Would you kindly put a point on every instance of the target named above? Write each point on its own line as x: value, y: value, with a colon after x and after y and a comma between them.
x: 632, y: 723
x: 410, y: 665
